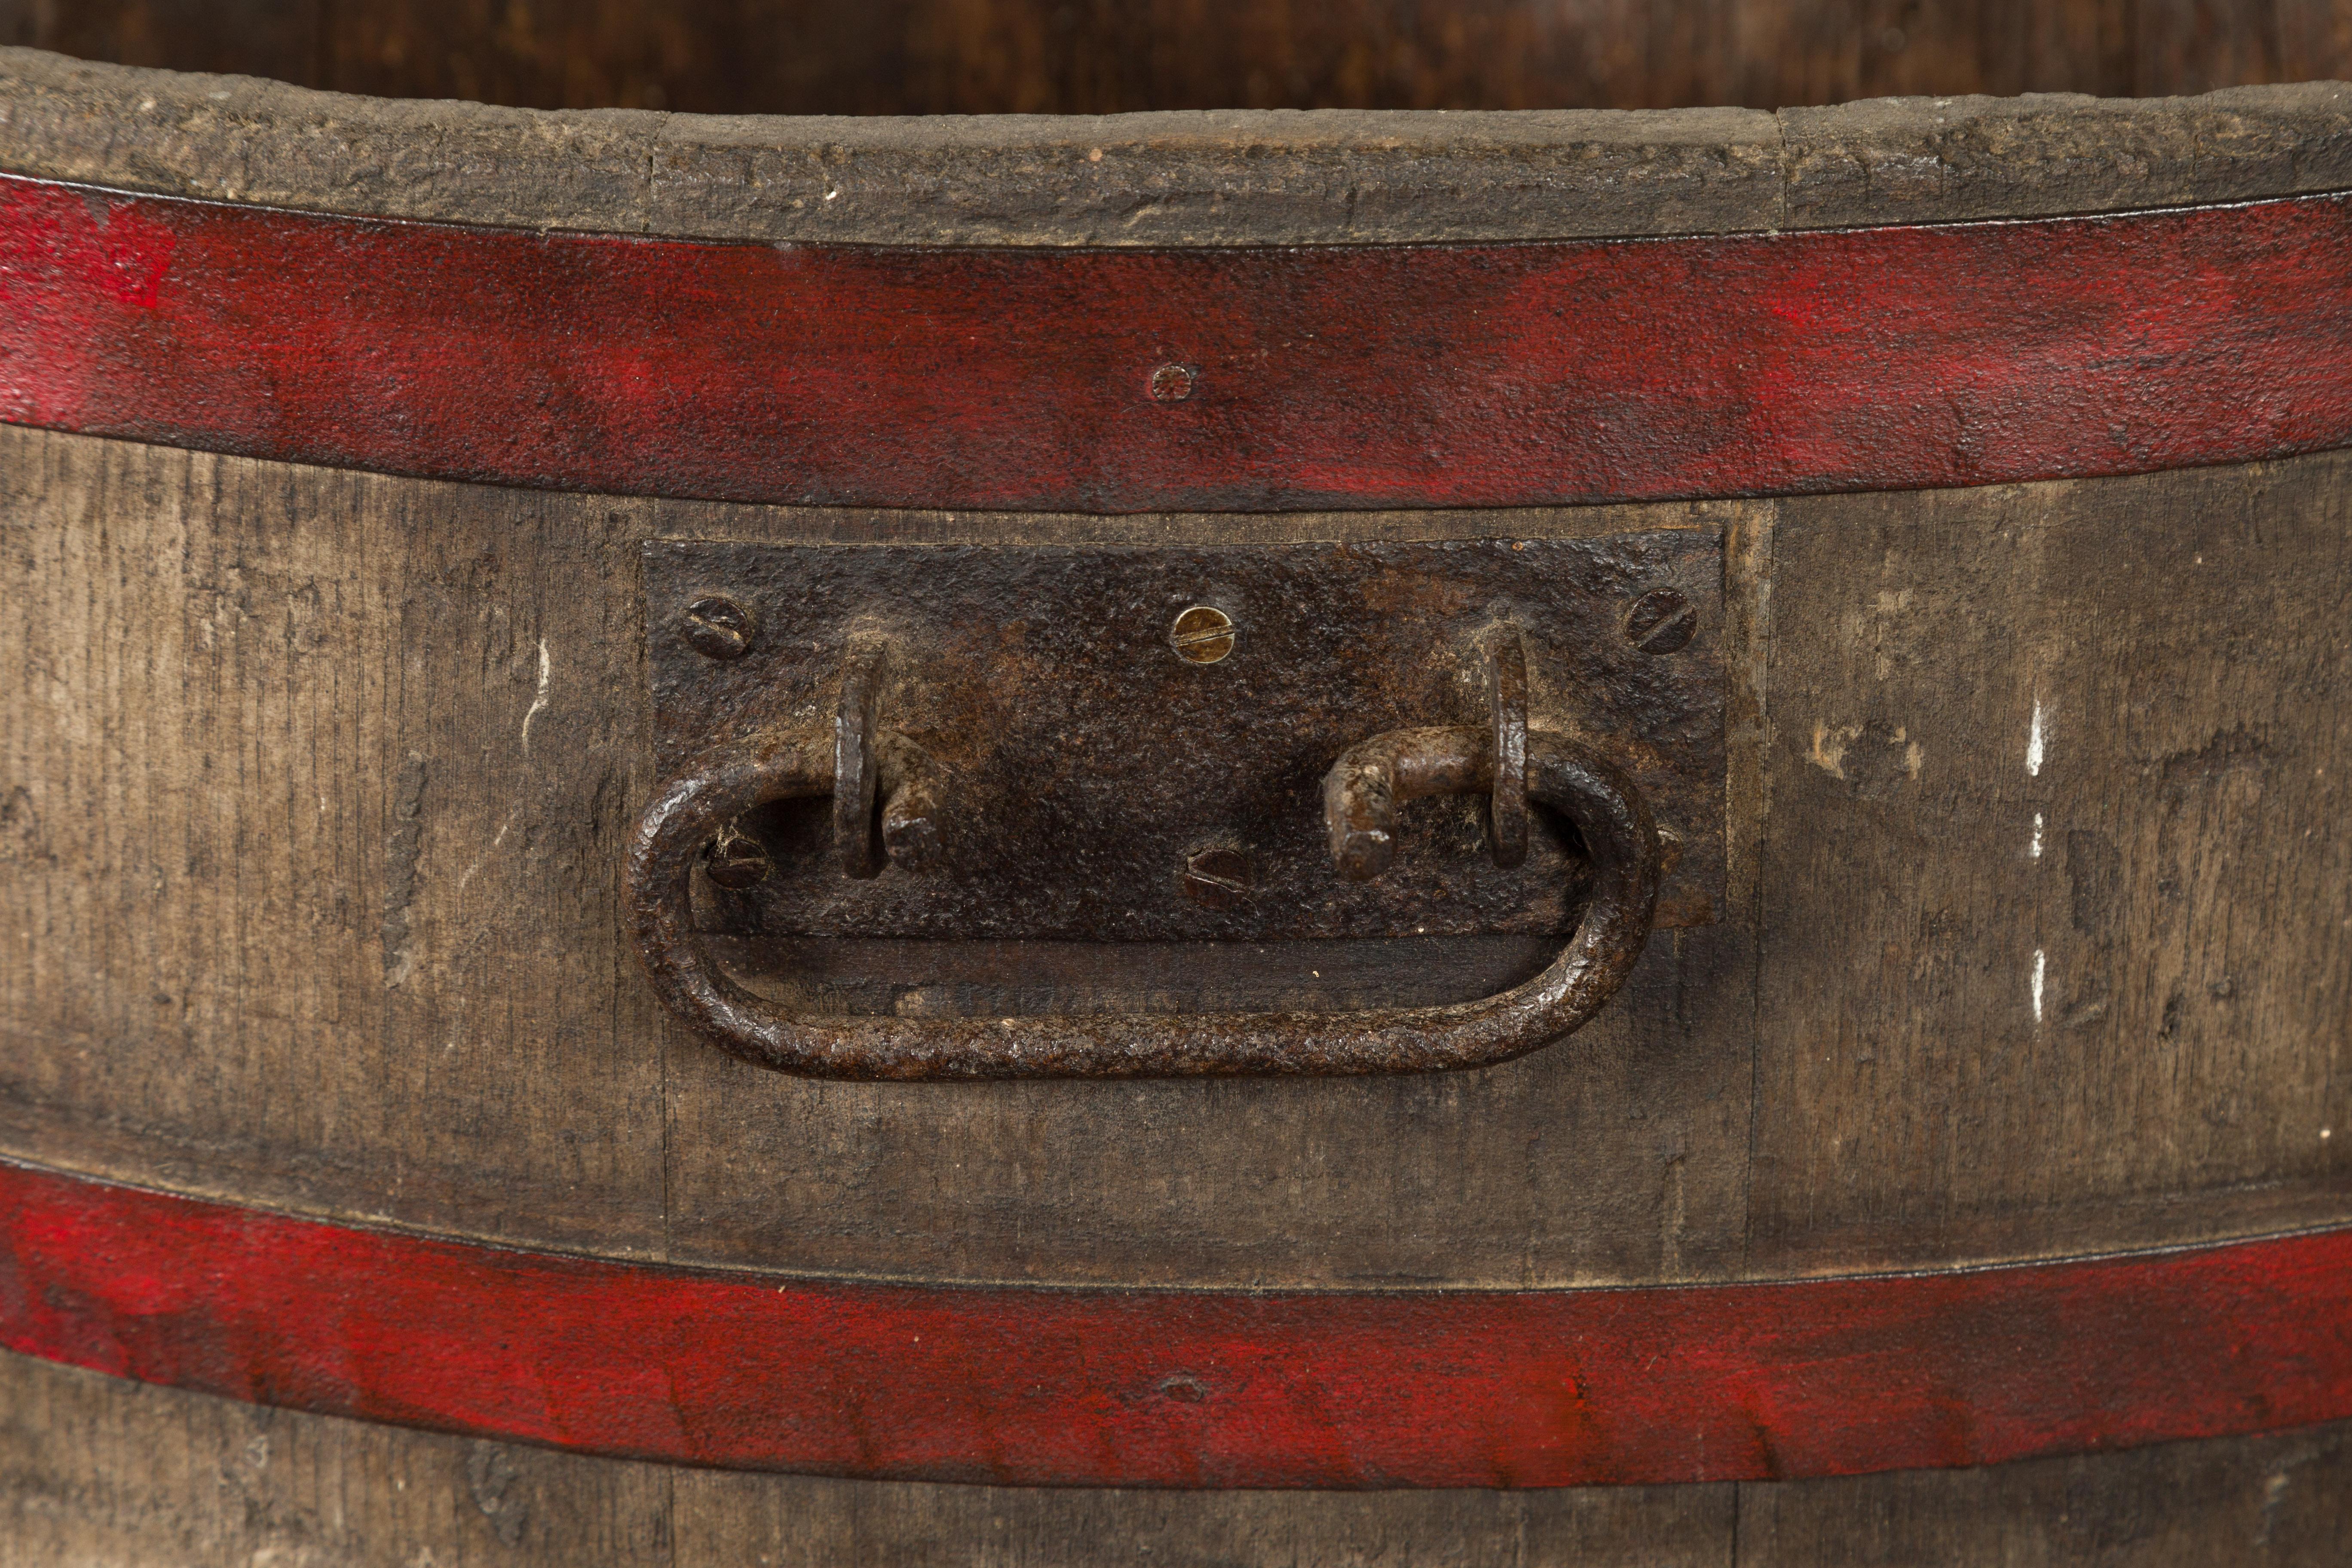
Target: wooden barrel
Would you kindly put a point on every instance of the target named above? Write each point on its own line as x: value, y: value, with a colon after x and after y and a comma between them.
x: 1202, y: 838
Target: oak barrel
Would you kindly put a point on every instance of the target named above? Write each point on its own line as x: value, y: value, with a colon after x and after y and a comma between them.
x: 467, y: 1095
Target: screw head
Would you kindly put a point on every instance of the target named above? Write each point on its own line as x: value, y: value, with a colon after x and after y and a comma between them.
x: 1172, y: 383
x: 1202, y: 634
x: 718, y: 628
x: 1661, y: 621
x: 1218, y: 879
x: 737, y: 860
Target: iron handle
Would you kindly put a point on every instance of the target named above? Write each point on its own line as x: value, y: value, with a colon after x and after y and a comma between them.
x: 1361, y: 792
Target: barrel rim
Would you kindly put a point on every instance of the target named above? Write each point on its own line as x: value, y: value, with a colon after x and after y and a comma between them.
x: 1191, y: 178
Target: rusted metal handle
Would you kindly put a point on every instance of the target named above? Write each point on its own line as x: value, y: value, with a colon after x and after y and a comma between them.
x: 1604, y: 804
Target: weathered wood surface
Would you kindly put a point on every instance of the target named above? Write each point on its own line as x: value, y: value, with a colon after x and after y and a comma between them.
x: 359, y: 658
x: 317, y: 791
x: 2052, y: 779
x: 312, y: 787
x: 997, y: 56
x: 97, y: 1471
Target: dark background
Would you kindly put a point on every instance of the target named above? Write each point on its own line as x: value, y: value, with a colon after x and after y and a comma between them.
x: 1063, y: 57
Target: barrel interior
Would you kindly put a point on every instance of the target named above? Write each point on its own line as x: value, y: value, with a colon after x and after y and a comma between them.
x: 1110, y: 57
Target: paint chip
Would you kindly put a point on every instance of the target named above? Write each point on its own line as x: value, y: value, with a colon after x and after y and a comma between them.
x: 539, y: 702
x: 1829, y: 747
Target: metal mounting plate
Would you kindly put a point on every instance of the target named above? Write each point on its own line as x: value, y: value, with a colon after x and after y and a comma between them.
x: 1105, y: 784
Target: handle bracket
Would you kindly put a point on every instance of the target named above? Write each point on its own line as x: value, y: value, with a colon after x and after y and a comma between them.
x: 1024, y: 723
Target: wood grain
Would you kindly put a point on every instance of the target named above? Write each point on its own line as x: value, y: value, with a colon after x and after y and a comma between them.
x: 281, y: 711
x: 464, y: 1046
x: 269, y: 802
x: 2285, y: 1498
x: 97, y: 1471
x: 999, y: 57
x: 2049, y: 767
x: 307, y: 857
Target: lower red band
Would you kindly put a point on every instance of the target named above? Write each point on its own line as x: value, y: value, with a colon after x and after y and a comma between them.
x: 1117, y: 1387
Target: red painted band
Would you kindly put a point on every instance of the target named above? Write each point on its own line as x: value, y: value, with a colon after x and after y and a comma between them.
x: 1348, y: 376
x: 1104, y: 1386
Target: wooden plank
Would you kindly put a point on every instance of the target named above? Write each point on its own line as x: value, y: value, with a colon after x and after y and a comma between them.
x: 2285, y: 1499
x: 1623, y: 1164
x: 2055, y: 897
x: 805, y: 1522
x: 1617, y: 1159
x: 97, y: 1470
x: 269, y: 812
x: 509, y: 1084
x: 316, y: 1087
x: 93, y: 1470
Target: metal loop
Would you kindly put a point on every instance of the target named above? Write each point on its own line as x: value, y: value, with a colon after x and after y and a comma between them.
x: 1604, y: 804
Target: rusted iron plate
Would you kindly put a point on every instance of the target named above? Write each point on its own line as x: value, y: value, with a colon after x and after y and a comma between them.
x: 1100, y: 781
